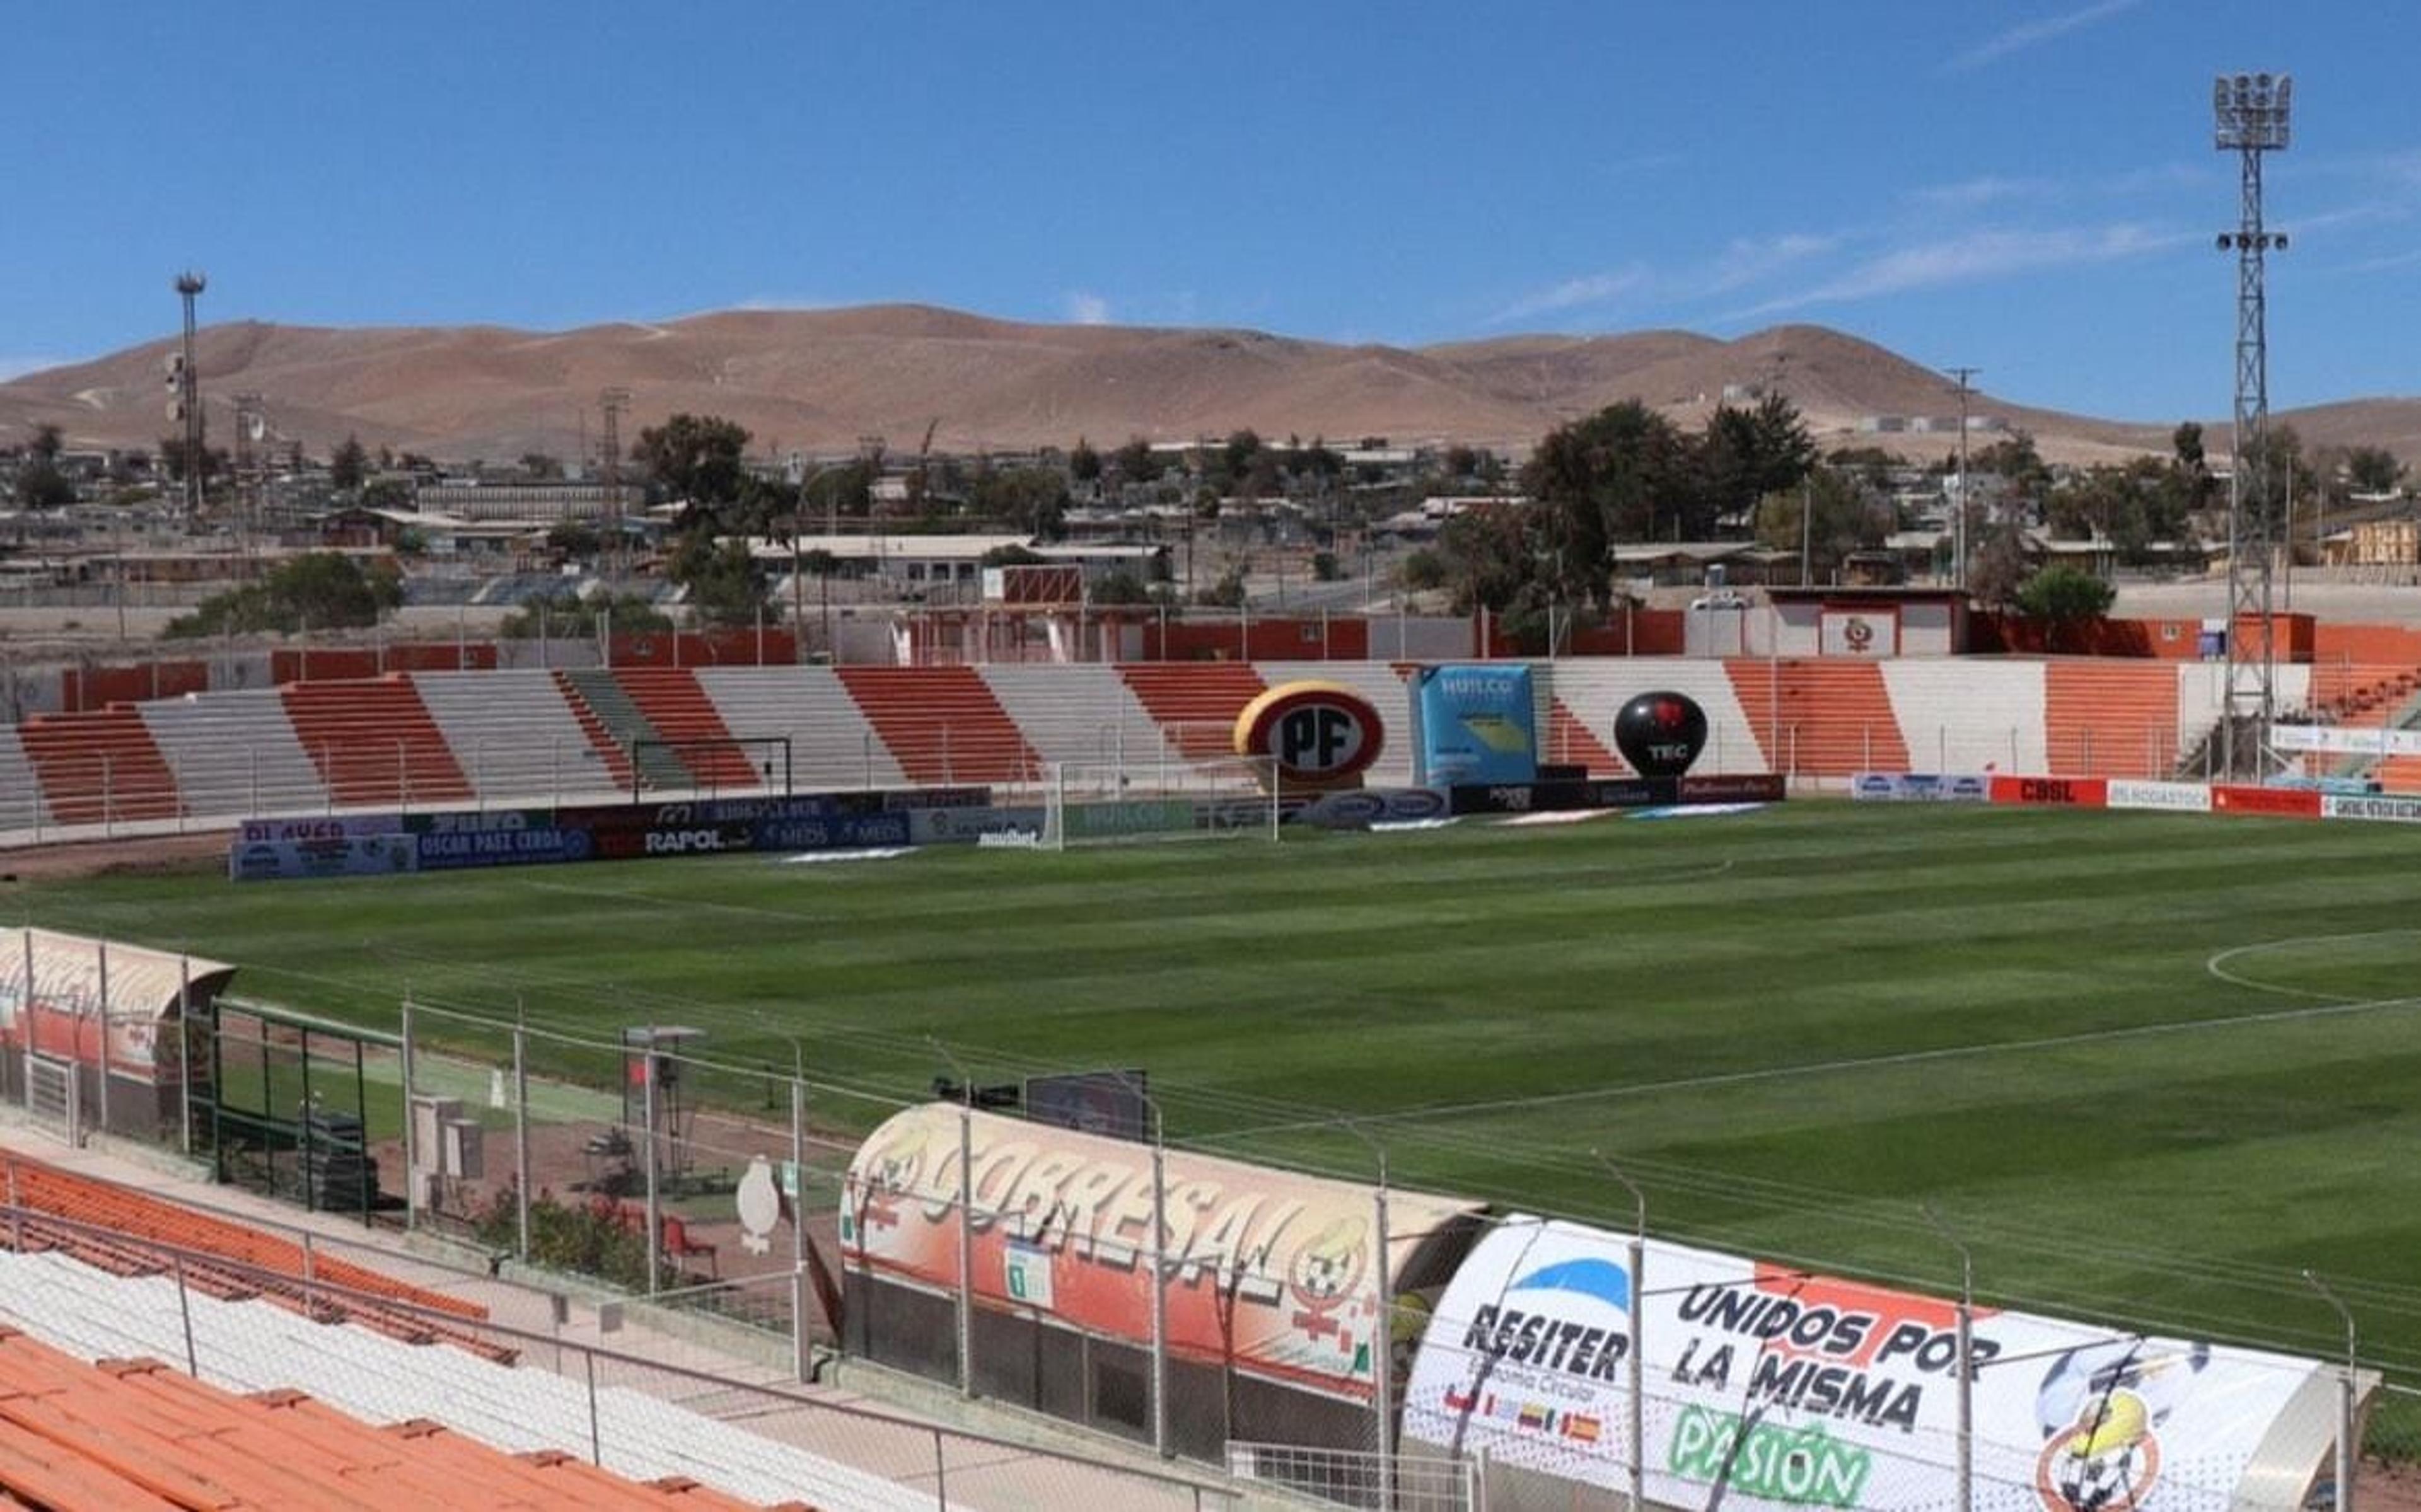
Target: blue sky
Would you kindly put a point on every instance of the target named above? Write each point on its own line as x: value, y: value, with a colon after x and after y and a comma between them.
x: 2026, y: 186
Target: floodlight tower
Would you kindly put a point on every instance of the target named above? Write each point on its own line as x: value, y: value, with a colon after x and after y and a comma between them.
x: 188, y: 403
x: 2249, y: 112
x: 614, y: 401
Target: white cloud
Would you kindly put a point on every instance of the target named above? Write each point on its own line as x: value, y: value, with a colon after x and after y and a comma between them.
x: 15, y: 367
x: 1978, y: 256
x: 1087, y: 309
x: 1973, y: 194
x: 1574, y: 293
x: 1748, y: 261
x: 2034, y: 33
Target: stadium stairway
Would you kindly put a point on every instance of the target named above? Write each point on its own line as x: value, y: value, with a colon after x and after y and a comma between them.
x: 374, y: 742
x: 609, y: 752
x: 517, y: 736
x: 1194, y: 703
x: 21, y: 790
x: 1968, y: 715
x: 1571, y: 742
x: 236, y: 752
x: 1075, y: 711
x: 942, y: 725
x: 2110, y: 719
x: 99, y: 767
x: 833, y: 746
x: 678, y: 710
x: 1821, y: 718
x: 614, y: 722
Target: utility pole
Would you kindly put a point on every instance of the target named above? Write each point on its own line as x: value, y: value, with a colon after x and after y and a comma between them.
x: 1958, y: 520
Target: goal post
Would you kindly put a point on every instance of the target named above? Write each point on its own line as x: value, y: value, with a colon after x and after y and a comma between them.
x: 1197, y: 798
x: 730, y: 763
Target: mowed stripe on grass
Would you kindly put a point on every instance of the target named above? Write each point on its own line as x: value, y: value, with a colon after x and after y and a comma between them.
x: 1618, y: 971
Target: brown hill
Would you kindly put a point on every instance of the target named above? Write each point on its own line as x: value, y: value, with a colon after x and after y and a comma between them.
x: 818, y: 380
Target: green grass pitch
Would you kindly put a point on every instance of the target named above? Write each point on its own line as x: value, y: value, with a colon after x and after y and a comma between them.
x: 2150, y: 1067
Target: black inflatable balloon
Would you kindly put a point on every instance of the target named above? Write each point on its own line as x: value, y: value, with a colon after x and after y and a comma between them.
x: 1660, y: 734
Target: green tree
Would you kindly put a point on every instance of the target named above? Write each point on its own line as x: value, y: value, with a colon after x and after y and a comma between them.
x: 40, y: 485
x: 576, y: 538
x: 1847, y: 517
x: 1121, y: 586
x: 1623, y: 473
x: 844, y: 492
x: 694, y: 457
x: 1135, y: 461
x: 2373, y: 470
x: 1422, y: 569
x: 321, y: 590
x: 348, y: 465
x: 1748, y: 454
x: 1084, y: 464
x: 540, y: 465
x: 727, y: 587
x: 387, y: 494
x: 2064, y: 599
x: 1032, y: 499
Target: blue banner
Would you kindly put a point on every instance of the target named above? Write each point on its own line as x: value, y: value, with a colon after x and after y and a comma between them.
x: 1478, y: 724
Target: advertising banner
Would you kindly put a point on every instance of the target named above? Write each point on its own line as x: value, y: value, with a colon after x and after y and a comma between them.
x: 2388, y: 806
x: 455, y: 849
x: 1736, y: 787
x: 2053, y: 792
x: 1476, y: 724
x: 2182, y: 797
x: 77, y: 981
x: 1920, y: 788
x: 2346, y: 739
x: 1556, y: 797
x: 324, y: 827
x: 1270, y: 1273
x: 2289, y: 803
x: 1774, y: 1388
x: 1359, y: 810
x: 968, y: 826
x: 339, y: 856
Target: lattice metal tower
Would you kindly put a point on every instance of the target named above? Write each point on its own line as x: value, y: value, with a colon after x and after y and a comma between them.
x: 614, y: 401
x: 187, y: 406
x: 2249, y: 113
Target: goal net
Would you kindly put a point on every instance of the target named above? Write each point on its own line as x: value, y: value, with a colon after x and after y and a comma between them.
x: 1170, y: 797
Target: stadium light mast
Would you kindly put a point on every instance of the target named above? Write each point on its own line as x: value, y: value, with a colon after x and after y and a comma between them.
x: 2250, y: 118
x: 187, y: 406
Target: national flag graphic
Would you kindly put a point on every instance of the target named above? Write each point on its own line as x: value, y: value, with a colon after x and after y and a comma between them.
x: 1584, y: 1428
x: 1537, y: 1415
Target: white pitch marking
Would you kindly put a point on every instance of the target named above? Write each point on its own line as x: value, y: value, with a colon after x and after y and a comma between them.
x: 2216, y: 966
x: 1866, y: 1062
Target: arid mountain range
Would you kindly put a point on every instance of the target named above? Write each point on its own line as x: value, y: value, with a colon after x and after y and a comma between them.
x: 816, y: 382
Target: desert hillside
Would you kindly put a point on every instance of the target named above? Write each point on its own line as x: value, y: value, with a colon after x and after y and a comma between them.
x: 818, y: 380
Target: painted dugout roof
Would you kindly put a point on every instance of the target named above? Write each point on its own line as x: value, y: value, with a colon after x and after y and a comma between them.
x: 1270, y: 1273
x: 77, y: 977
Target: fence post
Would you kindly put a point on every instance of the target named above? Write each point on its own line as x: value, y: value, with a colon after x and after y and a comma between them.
x: 596, y: 1444
x: 108, y: 793
x: 252, y: 762
x: 185, y: 1311
x: 948, y: 774
x: 941, y: 1476
x: 866, y: 752
x: 966, y: 1246
x: 2085, y: 738
x: 310, y: 1277
x: 647, y: 1080
x: 402, y: 778
x: 100, y: 950
x: 802, y: 1354
x: 521, y: 1139
x: 328, y: 772
x: 411, y: 1161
